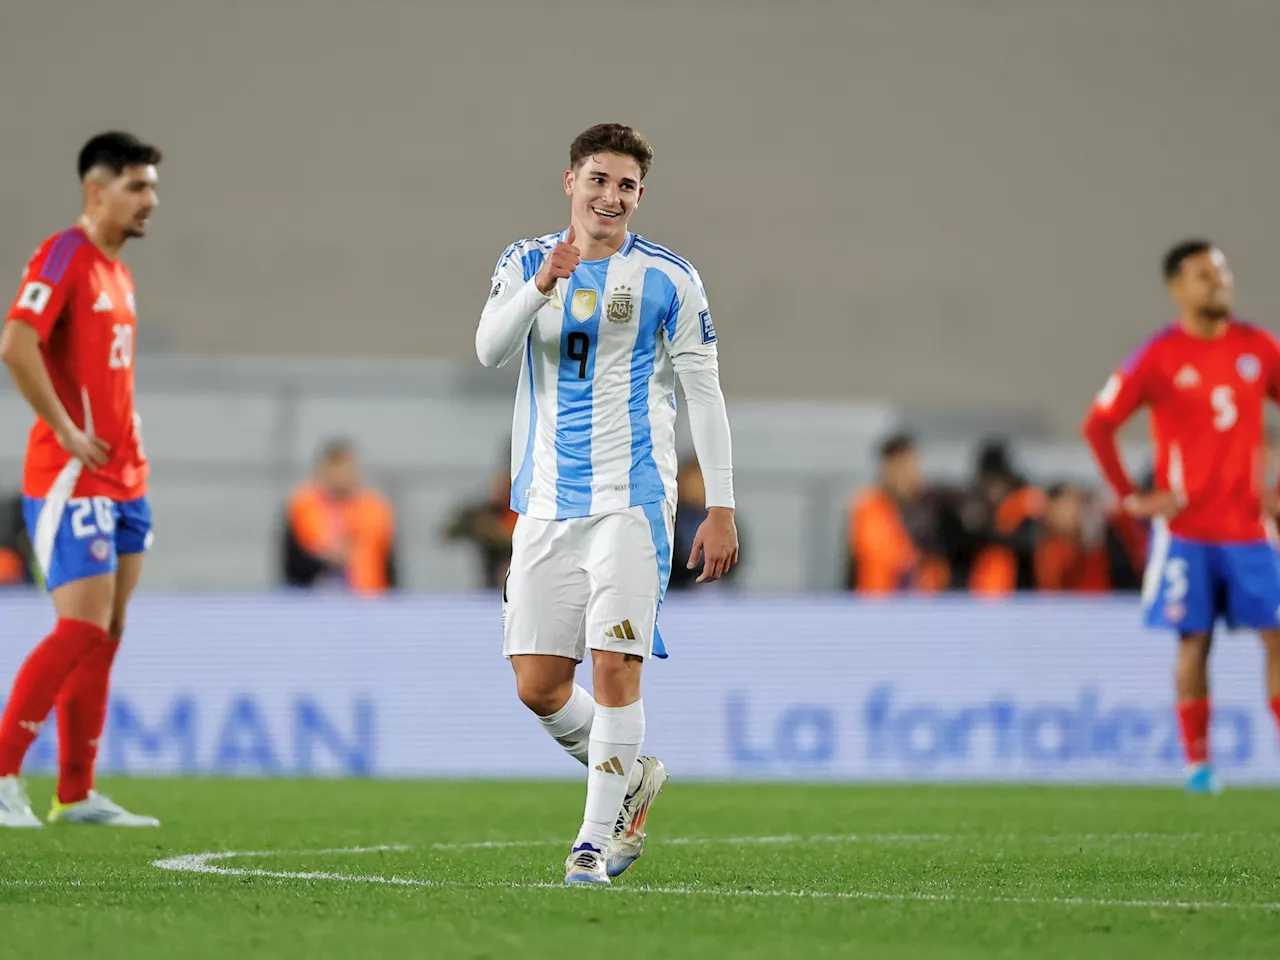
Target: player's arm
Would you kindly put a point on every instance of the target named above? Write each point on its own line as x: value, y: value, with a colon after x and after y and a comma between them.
x: 30, y: 321
x: 1273, y: 366
x: 514, y: 303
x: 1271, y: 497
x: 691, y: 342
x: 1122, y: 395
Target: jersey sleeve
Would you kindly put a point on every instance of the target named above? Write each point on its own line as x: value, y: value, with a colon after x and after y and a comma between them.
x: 1125, y: 391
x: 691, y: 342
x: 1271, y: 359
x: 47, y: 284
x: 688, y: 329
x: 511, y: 308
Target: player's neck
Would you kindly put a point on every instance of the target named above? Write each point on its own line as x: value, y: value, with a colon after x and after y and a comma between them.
x: 1203, y: 328
x: 593, y: 249
x: 108, y: 243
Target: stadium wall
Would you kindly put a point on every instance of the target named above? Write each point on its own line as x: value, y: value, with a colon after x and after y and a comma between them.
x: 800, y: 689
x: 936, y: 201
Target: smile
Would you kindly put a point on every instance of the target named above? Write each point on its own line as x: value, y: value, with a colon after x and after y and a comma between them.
x: 605, y: 213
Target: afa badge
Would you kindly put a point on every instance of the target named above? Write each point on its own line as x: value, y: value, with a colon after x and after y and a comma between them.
x: 619, y: 309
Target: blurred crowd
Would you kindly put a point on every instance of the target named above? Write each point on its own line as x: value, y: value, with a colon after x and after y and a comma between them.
x: 339, y: 533
x: 997, y: 534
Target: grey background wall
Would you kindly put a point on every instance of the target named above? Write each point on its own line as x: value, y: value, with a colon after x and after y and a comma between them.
x: 931, y: 201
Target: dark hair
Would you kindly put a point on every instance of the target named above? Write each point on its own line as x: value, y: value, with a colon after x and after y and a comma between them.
x: 993, y: 459
x: 117, y: 151
x: 1188, y: 248
x: 1059, y: 489
x: 611, y: 138
x: 336, y: 449
x: 896, y: 445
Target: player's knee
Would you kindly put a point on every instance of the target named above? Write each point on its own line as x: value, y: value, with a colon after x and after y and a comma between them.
x: 616, y: 678
x: 541, y: 697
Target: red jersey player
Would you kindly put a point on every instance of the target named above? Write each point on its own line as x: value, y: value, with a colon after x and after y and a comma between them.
x: 68, y: 343
x: 1206, y: 379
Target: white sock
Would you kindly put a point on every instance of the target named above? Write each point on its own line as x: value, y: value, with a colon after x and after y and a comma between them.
x: 570, y: 726
x: 616, y: 736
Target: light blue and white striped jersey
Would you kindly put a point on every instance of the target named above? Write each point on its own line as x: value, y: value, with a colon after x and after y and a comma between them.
x: 594, y: 425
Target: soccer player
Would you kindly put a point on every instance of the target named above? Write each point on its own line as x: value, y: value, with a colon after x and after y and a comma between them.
x: 68, y: 343
x: 1206, y: 379
x: 602, y: 320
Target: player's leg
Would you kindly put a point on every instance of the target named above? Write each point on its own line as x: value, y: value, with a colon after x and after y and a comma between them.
x: 1191, y: 679
x: 78, y: 564
x: 1180, y: 593
x: 1252, y: 572
x: 82, y: 701
x: 543, y: 604
x: 628, y: 558
x: 1271, y: 638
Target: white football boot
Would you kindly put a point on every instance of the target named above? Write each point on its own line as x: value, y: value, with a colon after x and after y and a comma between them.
x: 628, y: 835
x: 585, y: 867
x: 15, y: 805
x: 100, y: 811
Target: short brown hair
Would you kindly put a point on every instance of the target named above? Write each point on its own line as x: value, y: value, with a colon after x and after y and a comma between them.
x: 611, y: 138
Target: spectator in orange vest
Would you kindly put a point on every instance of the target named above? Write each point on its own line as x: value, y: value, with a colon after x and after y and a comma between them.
x: 1071, y: 550
x: 338, y: 532
x: 894, y: 530
x: 1005, y: 511
x: 15, y: 545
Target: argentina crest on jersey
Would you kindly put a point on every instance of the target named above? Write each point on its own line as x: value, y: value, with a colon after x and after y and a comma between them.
x: 619, y: 309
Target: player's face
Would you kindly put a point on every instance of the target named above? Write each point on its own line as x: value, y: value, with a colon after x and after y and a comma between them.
x: 128, y: 200
x: 1063, y: 514
x: 1205, y: 286
x: 340, y: 475
x: 902, y: 474
x: 605, y: 190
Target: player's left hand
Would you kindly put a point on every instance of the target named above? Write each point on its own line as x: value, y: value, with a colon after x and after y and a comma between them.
x: 717, y: 542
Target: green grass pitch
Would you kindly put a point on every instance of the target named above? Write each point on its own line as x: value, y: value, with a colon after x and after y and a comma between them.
x: 391, y: 869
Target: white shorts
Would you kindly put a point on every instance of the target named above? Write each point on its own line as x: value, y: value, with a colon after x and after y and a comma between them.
x: 588, y: 583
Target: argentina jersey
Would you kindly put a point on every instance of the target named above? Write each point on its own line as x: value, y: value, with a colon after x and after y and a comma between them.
x: 594, y: 424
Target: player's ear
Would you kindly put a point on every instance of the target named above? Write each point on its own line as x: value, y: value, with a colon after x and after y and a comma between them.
x: 568, y: 182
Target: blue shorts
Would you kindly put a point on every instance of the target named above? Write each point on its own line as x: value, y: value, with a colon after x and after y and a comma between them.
x: 1190, y: 585
x: 82, y: 537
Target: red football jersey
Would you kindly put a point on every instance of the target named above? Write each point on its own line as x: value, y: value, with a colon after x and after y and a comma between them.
x: 1207, y: 400
x: 81, y: 303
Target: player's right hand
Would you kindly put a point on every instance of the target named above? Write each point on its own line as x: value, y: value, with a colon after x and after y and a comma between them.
x: 91, y: 451
x: 1160, y: 503
x: 560, y: 265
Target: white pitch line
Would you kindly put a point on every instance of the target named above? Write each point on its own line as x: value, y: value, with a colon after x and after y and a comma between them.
x: 206, y: 863
x: 870, y: 838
